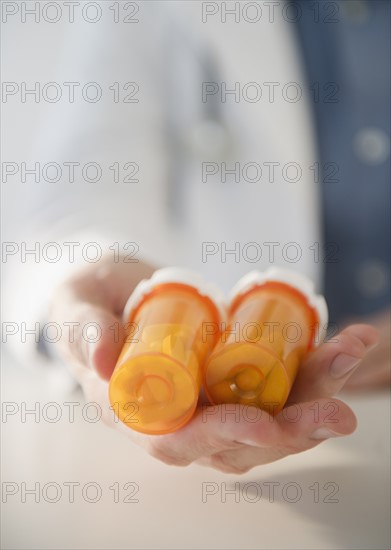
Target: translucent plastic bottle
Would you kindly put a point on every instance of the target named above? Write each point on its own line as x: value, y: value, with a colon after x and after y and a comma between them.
x: 155, y: 386
x: 274, y: 319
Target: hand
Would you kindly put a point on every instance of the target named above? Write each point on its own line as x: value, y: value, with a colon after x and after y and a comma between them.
x: 374, y: 372
x: 225, y: 437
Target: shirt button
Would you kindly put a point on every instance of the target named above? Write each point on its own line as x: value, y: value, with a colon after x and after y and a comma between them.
x: 372, y: 278
x: 208, y: 139
x: 372, y: 145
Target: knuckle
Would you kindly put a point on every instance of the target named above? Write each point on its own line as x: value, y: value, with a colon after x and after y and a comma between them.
x: 220, y: 463
x: 167, y: 456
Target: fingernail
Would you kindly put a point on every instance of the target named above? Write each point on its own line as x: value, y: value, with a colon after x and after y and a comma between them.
x: 372, y: 346
x: 343, y: 364
x: 324, y: 433
x: 249, y: 442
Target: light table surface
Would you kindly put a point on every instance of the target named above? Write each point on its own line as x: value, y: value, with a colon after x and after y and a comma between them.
x: 335, y: 496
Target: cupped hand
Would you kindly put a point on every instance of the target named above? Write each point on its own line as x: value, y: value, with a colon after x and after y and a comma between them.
x: 230, y: 438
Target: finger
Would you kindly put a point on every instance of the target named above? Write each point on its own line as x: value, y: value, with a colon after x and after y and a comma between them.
x: 368, y: 334
x: 91, y: 304
x: 108, y: 283
x: 373, y: 373
x: 299, y: 428
x: 380, y: 379
x: 214, y: 428
x: 230, y: 427
x: 103, y: 352
x: 326, y: 370
x: 96, y: 340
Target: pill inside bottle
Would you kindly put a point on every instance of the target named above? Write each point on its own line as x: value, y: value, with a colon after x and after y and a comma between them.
x: 156, y: 383
x: 274, y: 320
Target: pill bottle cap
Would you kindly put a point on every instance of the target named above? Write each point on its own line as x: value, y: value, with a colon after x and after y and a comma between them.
x: 176, y: 275
x: 293, y: 279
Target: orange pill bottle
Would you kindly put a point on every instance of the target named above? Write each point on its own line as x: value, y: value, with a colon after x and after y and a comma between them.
x: 274, y: 320
x: 155, y: 386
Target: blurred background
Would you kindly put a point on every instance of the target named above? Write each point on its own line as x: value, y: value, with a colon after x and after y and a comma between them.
x: 224, y: 137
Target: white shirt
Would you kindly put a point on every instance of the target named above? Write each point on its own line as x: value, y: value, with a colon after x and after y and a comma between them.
x: 167, y: 137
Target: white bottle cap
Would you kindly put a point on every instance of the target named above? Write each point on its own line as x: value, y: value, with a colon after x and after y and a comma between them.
x: 176, y: 275
x: 290, y: 278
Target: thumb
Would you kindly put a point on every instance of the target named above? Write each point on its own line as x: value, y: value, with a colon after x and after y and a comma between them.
x: 96, y: 341
x: 104, y: 338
